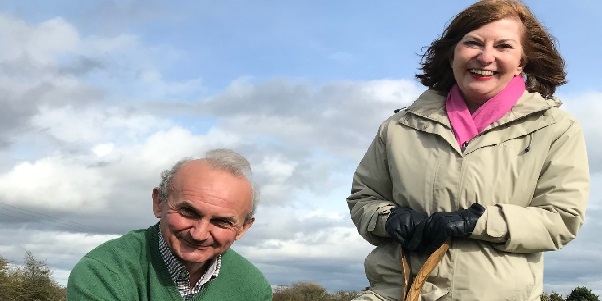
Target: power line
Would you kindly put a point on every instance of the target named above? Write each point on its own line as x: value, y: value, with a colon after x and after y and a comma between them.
x: 38, y: 217
x: 50, y: 224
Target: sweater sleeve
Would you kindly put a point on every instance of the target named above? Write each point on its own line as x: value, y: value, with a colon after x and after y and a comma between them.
x: 238, y: 279
x: 90, y: 280
x: 370, y: 200
x: 266, y: 292
x: 556, y: 212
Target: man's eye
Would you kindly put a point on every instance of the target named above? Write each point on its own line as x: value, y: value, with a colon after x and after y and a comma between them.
x: 187, y: 212
x: 222, y: 223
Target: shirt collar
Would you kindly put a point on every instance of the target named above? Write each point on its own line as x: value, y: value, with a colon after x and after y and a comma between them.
x: 180, y: 275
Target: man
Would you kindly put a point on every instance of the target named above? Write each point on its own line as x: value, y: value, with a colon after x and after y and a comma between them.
x: 203, y: 206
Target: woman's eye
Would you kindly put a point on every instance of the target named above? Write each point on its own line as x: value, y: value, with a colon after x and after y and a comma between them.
x: 471, y: 43
x: 505, y: 46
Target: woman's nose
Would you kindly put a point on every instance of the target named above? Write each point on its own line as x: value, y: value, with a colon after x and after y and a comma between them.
x: 487, y: 55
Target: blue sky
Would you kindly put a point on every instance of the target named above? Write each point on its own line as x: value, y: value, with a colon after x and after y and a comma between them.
x: 100, y: 96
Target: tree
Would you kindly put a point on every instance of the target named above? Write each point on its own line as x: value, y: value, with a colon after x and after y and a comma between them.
x: 301, y: 291
x: 344, y: 295
x: 552, y: 297
x: 5, y: 285
x: 31, y: 282
x: 308, y: 291
x: 582, y: 293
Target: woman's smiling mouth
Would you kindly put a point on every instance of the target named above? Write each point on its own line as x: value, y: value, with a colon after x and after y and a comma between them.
x: 482, y: 72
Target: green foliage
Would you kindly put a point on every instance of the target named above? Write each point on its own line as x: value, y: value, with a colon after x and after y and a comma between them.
x: 344, y: 295
x: 552, y: 297
x: 5, y: 280
x: 31, y: 282
x: 582, y: 293
x: 307, y: 291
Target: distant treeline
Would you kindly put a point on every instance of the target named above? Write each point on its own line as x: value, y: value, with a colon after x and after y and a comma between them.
x: 307, y: 291
x: 33, y: 281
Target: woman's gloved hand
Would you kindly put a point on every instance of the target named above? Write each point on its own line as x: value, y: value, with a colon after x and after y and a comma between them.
x: 437, y: 228
x: 401, y: 225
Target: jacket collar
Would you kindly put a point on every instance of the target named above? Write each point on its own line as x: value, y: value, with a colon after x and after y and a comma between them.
x: 528, y: 104
x: 428, y: 114
x: 431, y: 105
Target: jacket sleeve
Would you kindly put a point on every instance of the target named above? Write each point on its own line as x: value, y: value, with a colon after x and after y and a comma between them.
x: 91, y: 280
x: 556, y: 212
x: 370, y: 201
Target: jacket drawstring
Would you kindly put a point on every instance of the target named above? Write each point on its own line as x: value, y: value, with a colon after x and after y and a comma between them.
x: 397, y: 110
x: 528, y: 148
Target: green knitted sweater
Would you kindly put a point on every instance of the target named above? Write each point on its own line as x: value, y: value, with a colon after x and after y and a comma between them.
x: 131, y: 268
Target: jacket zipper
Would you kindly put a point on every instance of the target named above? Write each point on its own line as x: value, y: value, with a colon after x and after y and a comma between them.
x: 464, y: 145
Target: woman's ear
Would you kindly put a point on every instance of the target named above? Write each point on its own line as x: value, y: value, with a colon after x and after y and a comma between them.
x: 521, y: 66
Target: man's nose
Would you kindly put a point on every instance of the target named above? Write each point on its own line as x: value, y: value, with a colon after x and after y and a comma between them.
x: 201, y: 230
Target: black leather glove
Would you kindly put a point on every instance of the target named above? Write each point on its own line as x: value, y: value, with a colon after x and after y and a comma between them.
x: 437, y: 228
x: 401, y: 224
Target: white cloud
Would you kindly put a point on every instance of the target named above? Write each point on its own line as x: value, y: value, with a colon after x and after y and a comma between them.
x: 40, y: 42
x: 587, y: 108
x: 339, y: 117
x: 92, y: 125
x: 334, y: 243
x: 55, y: 183
x: 102, y: 150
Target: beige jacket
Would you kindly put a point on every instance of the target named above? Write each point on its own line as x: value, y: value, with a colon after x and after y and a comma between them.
x: 529, y: 169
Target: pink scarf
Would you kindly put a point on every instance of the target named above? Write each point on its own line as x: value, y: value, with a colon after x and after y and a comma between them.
x: 467, y: 126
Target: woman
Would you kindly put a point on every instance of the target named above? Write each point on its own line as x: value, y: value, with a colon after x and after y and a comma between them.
x: 484, y: 158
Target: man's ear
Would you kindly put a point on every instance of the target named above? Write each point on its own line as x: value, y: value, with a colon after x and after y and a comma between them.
x: 248, y: 223
x: 157, y: 208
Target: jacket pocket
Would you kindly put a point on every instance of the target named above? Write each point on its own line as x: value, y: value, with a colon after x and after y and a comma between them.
x: 481, y: 272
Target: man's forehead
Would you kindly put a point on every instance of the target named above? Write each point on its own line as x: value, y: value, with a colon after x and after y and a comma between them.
x: 194, y: 166
x: 198, y: 181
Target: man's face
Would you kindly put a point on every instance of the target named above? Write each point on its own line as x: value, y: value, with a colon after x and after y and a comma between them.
x: 205, y: 212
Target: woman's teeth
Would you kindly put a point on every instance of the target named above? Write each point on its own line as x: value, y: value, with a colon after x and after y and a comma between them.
x: 481, y: 72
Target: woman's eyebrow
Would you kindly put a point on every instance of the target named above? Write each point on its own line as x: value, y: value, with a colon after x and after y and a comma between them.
x: 470, y: 36
x: 506, y: 41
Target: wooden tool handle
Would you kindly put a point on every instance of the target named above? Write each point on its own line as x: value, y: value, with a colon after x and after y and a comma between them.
x: 414, y: 292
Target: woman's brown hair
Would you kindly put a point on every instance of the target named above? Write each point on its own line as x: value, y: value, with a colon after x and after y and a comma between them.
x: 544, y: 67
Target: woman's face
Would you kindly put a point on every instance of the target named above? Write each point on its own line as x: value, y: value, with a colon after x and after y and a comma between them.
x: 487, y: 58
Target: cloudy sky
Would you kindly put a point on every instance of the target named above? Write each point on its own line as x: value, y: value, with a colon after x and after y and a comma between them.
x: 98, y: 97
